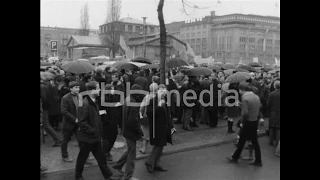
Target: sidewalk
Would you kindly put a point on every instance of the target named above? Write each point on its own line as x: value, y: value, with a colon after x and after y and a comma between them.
x: 182, y: 141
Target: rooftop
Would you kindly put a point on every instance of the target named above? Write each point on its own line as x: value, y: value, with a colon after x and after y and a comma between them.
x: 87, y: 40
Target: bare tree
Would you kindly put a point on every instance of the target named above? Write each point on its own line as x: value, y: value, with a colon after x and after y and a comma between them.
x: 84, y: 21
x: 113, y: 34
x: 163, y: 35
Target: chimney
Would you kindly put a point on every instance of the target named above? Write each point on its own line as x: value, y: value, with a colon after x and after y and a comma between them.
x: 213, y: 13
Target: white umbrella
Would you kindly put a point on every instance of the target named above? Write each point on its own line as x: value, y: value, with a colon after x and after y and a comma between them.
x: 137, y: 64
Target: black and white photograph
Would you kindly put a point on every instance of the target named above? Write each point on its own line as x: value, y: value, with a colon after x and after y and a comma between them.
x: 160, y: 90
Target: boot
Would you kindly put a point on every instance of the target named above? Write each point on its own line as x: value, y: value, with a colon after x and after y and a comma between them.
x: 230, y: 124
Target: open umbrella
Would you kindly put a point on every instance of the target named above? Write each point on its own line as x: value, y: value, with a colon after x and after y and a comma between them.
x: 228, y: 66
x: 274, y: 71
x: 124, y: 65
x: 141, y: 60
x: 215, y: 67
x: 267, y: 69
x: 176, y: 62
x: 238, y: 77
x: 255, y: 64
x: 229, y: 71
x: 46, y: 64
x: 241, y: 70
x: 139, y: 65
x: 247, y: 67
x: 78, y: 67
x: 198, y: 71
x: 150, y: 66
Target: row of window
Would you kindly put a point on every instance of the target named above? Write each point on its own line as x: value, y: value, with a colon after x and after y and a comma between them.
x: 137, y: 28
x: 260, y: 41
x: 196, y: 27
x: 246, y: 19
x: 243, y: 55
x: 193, y: 34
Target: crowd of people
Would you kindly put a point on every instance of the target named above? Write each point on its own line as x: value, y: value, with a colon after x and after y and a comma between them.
x: 153, y: 120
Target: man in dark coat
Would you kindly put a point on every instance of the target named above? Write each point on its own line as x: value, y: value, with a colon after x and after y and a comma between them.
x: 274, y: 109
x: 263, y: 94
x: 83, y: 82
x: 133, y: 77
x: 132, y: 132
x: 171, y: 86
x: 187, y: 110
x: 44, y: 93
x: 148, y: 76
x: 90, y: 132
x: 54, y: 104
x: 126, y: 79
x: 118, y: 86
x: 160, y: 129
x: 142, y: 81
x: 108, y: 78
x: 99, y: 77
x: 69, y: 106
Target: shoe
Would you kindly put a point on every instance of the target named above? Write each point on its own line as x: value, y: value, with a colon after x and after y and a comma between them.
x: 187, y: 129
x: 178, y: 122
x: 149, y: 167
x: 118, y: 169
x: 68, y: 159
x: 256, y: 164
x: 57, y: 144
x: 158, y: 168
x: 43, y: 169
x: 142, y: 151
x: 112, y: 178
x: 232, y: 160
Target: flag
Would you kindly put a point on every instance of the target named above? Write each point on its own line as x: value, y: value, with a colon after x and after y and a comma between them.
x: 190, y: 51
x: 123, y: 44
x: 277, y: 61
x: 255, y: 59
x: 183, y: 55
x: 241, y: 61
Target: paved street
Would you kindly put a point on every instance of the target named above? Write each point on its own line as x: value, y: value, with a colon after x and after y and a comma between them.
x: 202, y: 164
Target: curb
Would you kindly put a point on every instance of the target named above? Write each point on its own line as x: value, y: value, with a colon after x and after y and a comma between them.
x: 144, y: 156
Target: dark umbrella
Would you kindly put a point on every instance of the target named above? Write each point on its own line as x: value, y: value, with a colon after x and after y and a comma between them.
x: 124, y: 65
x: 141, y: 60
x: 215, y: 67
x: 228, y: 66
x: 241, y: 70
x: 198, y: 71
x: 175, y: 62
x: 247, y: 67
x: 238, y: 77
x: 267, y: 69
x: 78, y: 67
x: 255, y: 64
x: 274, y: 71
x: 150, y: 66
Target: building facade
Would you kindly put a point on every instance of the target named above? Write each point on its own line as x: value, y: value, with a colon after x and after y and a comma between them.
x: 62, y: 35
x: 233, y: 37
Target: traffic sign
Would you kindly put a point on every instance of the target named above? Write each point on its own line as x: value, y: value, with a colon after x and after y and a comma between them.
x: 54, y: 45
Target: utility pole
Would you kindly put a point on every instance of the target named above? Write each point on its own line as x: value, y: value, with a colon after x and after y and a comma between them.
x: 145, y: 40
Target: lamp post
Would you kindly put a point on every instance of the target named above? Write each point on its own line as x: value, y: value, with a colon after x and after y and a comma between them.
x: 144, y: 31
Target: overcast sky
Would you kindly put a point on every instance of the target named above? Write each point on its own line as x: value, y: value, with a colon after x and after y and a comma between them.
x: 66, y: 13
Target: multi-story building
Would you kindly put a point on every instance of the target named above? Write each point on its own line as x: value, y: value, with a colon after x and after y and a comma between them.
x: 61, y: 35
x: 173, y: 28
x: 232, y: 37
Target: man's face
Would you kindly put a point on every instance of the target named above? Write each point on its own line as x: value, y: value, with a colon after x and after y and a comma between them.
x: 96, y: 92
x: 114, y: 78
x: 75, y: 90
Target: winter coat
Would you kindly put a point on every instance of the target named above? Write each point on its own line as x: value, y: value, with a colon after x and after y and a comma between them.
x: 143, y: 82
x: 69, y: 112
x: 274, y: 108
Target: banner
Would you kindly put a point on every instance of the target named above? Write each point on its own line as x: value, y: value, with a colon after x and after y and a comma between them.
x: 178, y: 46
x: 123, y: 44
x: 277, y: 61
x: 190, y: 52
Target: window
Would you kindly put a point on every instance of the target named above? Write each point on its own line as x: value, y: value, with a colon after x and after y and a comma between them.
x: 251, y: 55
x: 228, y: 55
x: 198, y: 41
x: 260, y: 41
x: 269, y: 41
x: 198, y: 48
x: 199, y: 26
x: 187, y: 28
x: 198, y: 34
x: 242, y: 55
x: 242, y: 46
x: 243, y: 39
x: 269, y: 56
x: 252, y: 40
x: 204, y: 47
x: 138, y: 29
x: 188, y: 35
x: 192, y: 34
x: 192, y: 27
x: 277, y: 42
x: 151, y: 29
x: 219, y: 54
x: 260, y: 48
x: 277, y: 48
x: 204, y: 26
x: 130, y: 28
x: 251, y: 47
x: 193, y: 41
x: 204, y: 41
x: 105, y: 29
x: 204, y: 33
x: 269, y: 48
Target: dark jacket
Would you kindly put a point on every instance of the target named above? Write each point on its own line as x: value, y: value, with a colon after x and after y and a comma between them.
x: 82, y: 85
x: 131, y: 125
x: 272, y: 85
x: 117, y: 87
x: 108, y: 118
x: 132, y: 78
x: 163, y: 123
x: 90, y: 127
x: 108, y: 78
x: 53, y: 99
x: 44, y: 96
x: 143, y: 82
x: 69, y: 112
x: 264, y: 93
x: 100, y: 79
x: 149, y: 78
x: 274, y: 108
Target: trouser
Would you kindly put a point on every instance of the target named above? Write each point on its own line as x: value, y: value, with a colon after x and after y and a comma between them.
x: 274, y: 134
x: 186, y: 117
x: 117, y: 115
x: 67, y: 134
x: 54, y: 120
x: 195, y: 112
x: 110, y: 132
x: 249, y: 133
x: 179, y: 113
x: 213, y: 115
x: 48, y: 128
x: 128, y: 158
x: 96, y: 149
x: 155, y: 155
x: 221, y: 110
